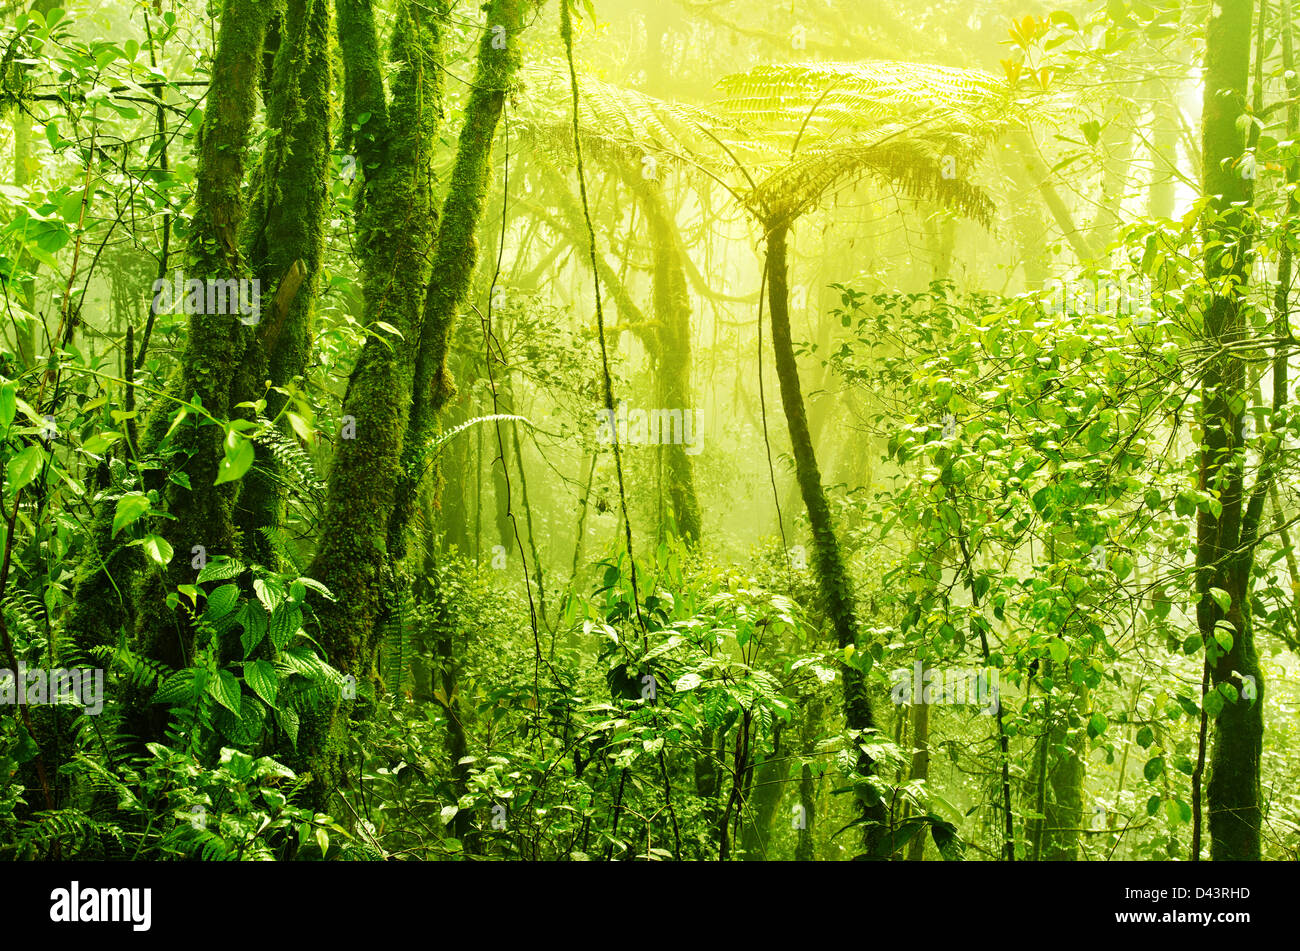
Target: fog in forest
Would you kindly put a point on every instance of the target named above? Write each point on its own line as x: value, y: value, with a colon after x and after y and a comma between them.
x: 649, y: 430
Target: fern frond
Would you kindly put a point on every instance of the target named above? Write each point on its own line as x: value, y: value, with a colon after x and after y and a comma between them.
x: 291, y: 459
x: 419, y: 465
x: 282, y: 544
x: 142, y: 672
x: 396, y: 644
x: 22, y: 610
x: 917, y: 165
x: 820, y: 97
x: 70, y: 828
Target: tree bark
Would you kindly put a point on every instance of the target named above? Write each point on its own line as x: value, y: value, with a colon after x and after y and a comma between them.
x: 1225, y: 552
x: 832, y: 575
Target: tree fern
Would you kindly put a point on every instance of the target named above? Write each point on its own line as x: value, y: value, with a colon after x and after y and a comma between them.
x: 821, y: 97
x: 920, y: 166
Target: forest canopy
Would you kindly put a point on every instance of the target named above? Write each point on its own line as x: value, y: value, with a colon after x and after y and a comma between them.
x: 649, y: 430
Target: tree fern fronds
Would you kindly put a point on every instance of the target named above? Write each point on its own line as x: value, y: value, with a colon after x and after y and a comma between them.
x: 859, y: 94
x: 920, y: 166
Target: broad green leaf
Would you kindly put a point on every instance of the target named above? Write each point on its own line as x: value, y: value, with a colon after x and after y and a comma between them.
x: 224, y: 688
x: 238, y: 460
x: 8, y: 403
x: 129, y: 509
x: 221, y: 568
x: 252, y: 616
x: 24, y: 467
x: 157, y: 549
x: 1222, y: 598
x: 285, y: 622
x: 261, y: 676
x: 221, y: 602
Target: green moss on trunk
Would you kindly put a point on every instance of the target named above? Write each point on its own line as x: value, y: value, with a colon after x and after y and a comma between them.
x: 456, y: 254
x: 832, y: 575
x: 283, y: 228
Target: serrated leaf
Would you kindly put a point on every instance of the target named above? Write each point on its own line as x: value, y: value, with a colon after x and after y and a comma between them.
x: 316, y: 586
x: 221, y: 602
x: 222, y: 568
x: 176, y: 689
x: 269, y: 595
x: 287, y: 717
x: 285, y: 623
x: 261, y: 676
x: 224, y: 688
x: 252, y: 617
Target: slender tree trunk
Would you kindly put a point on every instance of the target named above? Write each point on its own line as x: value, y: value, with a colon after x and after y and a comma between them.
x: 1224, y: 547
x: 920, y: 762
x: 832, y: 574
x: 456, y: 252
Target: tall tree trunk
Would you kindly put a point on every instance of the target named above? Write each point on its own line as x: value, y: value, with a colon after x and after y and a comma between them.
x: 832, y: 575
x: 395, y: 220
x: 1224, y: 547
x: 456, y: 252
x: 284, y: 240
x: 670, y: 350
x: 216, y: 344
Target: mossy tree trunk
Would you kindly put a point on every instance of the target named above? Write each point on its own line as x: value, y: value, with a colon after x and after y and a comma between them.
x: 833, y: 580
x: 216, y: 343
x: 283, y: 239
x: 672, y: 357
x: 395, y: 219
x: 456, y: 253
x: 1226, y: 540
